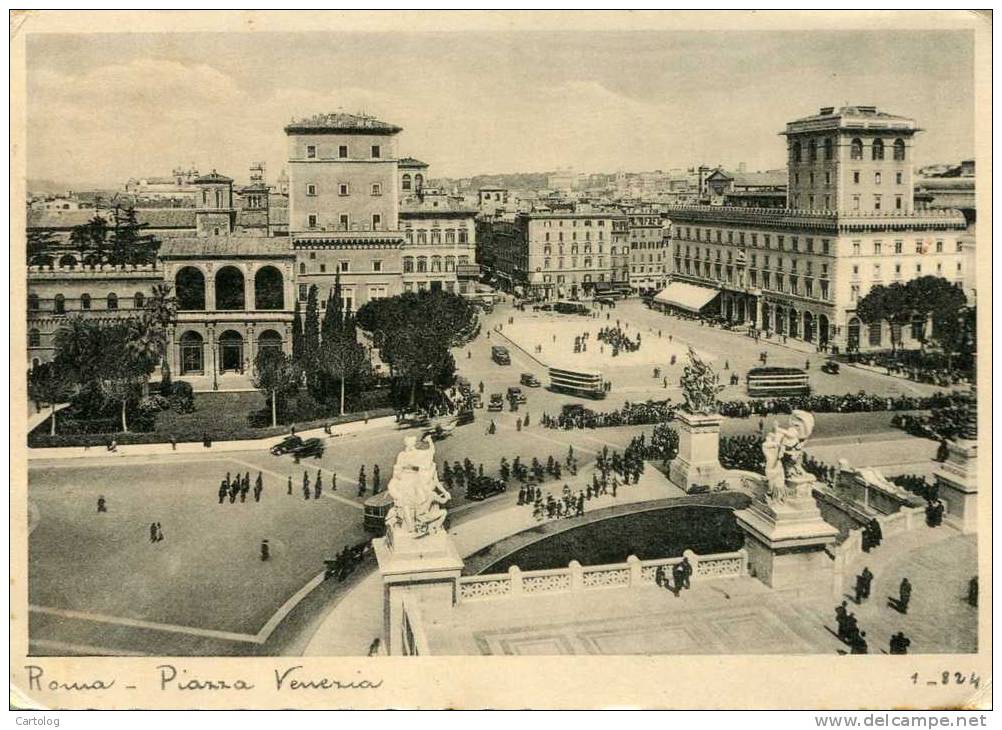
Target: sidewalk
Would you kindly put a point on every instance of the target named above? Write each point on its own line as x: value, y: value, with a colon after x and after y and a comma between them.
x: 194, y: 447
x: 357, y: 618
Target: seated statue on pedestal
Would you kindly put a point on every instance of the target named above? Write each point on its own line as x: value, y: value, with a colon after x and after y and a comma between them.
x: 784, y: 456
x: 417, y: 494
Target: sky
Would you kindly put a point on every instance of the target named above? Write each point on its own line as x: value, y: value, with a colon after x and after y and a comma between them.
x: 103, y: 108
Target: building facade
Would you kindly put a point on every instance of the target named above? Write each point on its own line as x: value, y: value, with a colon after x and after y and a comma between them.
x: 649, y: 240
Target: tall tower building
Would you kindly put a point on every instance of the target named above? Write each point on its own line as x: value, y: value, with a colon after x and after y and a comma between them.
x: 342, y: 174
x: 852, y: 159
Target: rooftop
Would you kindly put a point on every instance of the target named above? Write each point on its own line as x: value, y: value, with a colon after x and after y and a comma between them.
x: 212, y: 177
x: 850, y: 117
x: 154, y: 217
x: 411, y: 162
x: 226, y: 246
x: 340, y: 122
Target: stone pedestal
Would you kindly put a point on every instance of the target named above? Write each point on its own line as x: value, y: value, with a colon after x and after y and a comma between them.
x: 698, y: 448
x: 957, y: 480
x: 424, y: 570
x: 786, y: 540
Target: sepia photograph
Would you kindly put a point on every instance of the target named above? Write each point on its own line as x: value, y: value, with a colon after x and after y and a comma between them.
x: 349, y: 345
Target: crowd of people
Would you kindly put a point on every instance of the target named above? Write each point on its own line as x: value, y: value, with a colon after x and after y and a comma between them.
x: 240, y: 486
x: 631, y: 414
x: 942, y: 424
x: 849, y: 631
x: 342, y: 565
x: 618, y: 340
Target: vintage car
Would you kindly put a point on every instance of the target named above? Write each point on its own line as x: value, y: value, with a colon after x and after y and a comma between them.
x: 286, y: 445
x: 484, y: 487
x: 496, y: 403
x: 500, y: 355
x: 529, y: 380
x: 831, y: 367
x: 310, y: 447
x: 517, y: 394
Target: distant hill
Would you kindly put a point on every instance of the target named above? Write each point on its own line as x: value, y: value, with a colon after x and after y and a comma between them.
x: 58, y: 186
x: 510, y: 181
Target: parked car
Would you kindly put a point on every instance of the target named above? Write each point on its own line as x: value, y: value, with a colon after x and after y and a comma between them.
x: 286, y: 445
x: 530, y: 380
x: 496, y: 402
x: 517, y: 394
x: 310, y: 447
x: 500, y: 355
x: 484, y: 487
x: 831, y: 367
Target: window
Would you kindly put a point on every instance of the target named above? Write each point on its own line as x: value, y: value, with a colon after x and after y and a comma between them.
x: 33, y: 302
x: 877, y: 150
x: 855, y: 177
x: 406, y: 184
x: 856, y: 150
x: 138, y: 300
x: 795, y: 152
x: 342, y: 152
x: 304, y: 292
x: 112, y: 301
x: 377, y: 189
x: 876, y: 178
x: 855, y: 248
x: 311, y: 151
x: 939, y: 245
x: 302, y: 268
x: 311, y: 189
x: 876, y: 202
x: 825, y: 247
x: 34, y: 338
x: 855, y: 202
x: 377, y: 221
x: 311, y: 221
x: 343, y: 221
x: 342, y: 189
x: 876, y: 248
x: 422, y: 264
x: 812, y: 151
x: 375, y: 151
x: 897, y: 202
x: 828, y: 178
x: 854, y: 293
x: 344, y: 266
x: 828, y: 148
x: 874, y: 333
x: 408, y: 264
x: 899, y: 149
x: 898, y: 178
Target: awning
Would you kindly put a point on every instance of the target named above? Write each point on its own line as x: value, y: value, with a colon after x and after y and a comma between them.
x: 686, y: 296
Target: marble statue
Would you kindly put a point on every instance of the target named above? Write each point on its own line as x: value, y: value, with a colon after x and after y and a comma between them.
x: 417, y: 494
x: 784, y: 454
x: 700, y: 386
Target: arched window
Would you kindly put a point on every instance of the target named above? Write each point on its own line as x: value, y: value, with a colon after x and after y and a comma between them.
x: 407, y: 181
x: 230, y: 289
x: 302, y: 268
x: 113, y: 301
x: 69, y: 261
x: 422, y: 264
x: 60, y: 303
x: 419, y: 181
x: 189, y: 283
x: 450, y: 263
x: 408, y: 264
x: 139, y: 300
x: 436, y: 264
x: 856, y: 149
x: 269, y: 289
x: 828, y: 148
x: 85, y: 301
x: 875, y: 332
x: 34, y: 338
x: 436, y: 237
x: 462, y: 235
x: 450, y: 236
x: 899, y: 149
x: 812, y: 151
x: 877, y: 151
x: 796, y: 152
x: 422, y: 237
x: 269, y: 338
x: 32, y: 302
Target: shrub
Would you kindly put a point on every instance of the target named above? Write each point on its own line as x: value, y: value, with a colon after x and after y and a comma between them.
x: 181, y: 396
x: 153, y: 404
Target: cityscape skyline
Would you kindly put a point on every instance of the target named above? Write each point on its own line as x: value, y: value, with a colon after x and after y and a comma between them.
x: 693, y: 97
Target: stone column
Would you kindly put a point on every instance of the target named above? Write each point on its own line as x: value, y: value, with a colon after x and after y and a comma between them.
x: 249, y: 303
x: 759, y: 322
x: 698, y: 448
x: 210, y: 289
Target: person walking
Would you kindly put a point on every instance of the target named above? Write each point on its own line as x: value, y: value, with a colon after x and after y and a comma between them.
x: 153, y: 532
x: 289, y: 492
x: 904, y: 595
x: 265, y: 551
x: 361, y: 481
x: 866, y: 578
x: 899, y: 643
x: 375, y: 478
x: 318, y: 487
x: 160, y: 532
x: 842, y: 619
x: 858, y: 645
x: 101, y: 504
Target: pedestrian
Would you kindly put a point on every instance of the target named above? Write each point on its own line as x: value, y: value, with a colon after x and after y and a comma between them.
x: 659, y: 576
x: 334, y: 481
x: 677, y: 579
x: 899, y: 643
x: 375, y: 478
x: 686, y: 572
x: 807, y: 366
x: 318, y: 487
x: 113, y: 445
x: 289, y: 492
x: 904, y: 595
x: 173, y: 443
x: 842, y: 619
x: 153, y: 532
x: 361, y: 481
x: 518, y: 424
x: 867, y: 579
x: 265, y: 550
x: 858, y: 645
x: 206, y: 441
x: 101, y: 504
x: 160, y: 532
x: 972, y: 592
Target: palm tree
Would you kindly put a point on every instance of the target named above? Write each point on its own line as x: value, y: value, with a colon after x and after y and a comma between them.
x: 161, y: 309
x: 146, y: 345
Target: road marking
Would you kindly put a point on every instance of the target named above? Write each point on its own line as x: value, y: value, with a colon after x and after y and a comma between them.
x: 81, y: 649
x: 287, y: 607
x: 285, y: 477
x: 139, y: 624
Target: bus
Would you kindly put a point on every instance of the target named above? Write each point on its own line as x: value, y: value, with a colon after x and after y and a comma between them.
x: 587, y: 383
x: 771, y: 382
x: 374, y: 512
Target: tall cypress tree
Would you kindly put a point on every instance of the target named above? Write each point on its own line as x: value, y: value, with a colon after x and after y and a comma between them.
x: 297, y: 334
x: 311, y: 328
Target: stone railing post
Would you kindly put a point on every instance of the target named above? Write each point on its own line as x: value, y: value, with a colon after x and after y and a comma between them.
x: 744, y: 561
x: 577, y: 576
x: 515, y: 576
x: 693, y: 561
x: 636, y: 573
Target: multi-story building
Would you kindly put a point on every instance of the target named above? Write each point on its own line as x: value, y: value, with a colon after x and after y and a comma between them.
x: 439, y: 250
x: 649, y: 240
x: 801, y: 272
x: 553, y: 255
x: 853, y: 159
x: 413, y: 176
x: 492, y: 200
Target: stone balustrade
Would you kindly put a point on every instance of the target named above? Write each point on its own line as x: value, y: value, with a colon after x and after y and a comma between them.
x: 576, y: 578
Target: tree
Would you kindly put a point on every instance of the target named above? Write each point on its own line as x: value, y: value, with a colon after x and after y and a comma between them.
x: 146, y: 345
x: 891, y: 304
x: 129, y: 245
x: 161, y: 312
x: 276, y: 374
x: 956, y: 334
x: 123, y: 368
x: 79, y: 349
x: 936, y: 297
x: 92, y: 240
x: 311, y: 329
x: 297, y: 333
x: 49, y: 383
x: 41, y: 245
x: 343, y: 358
